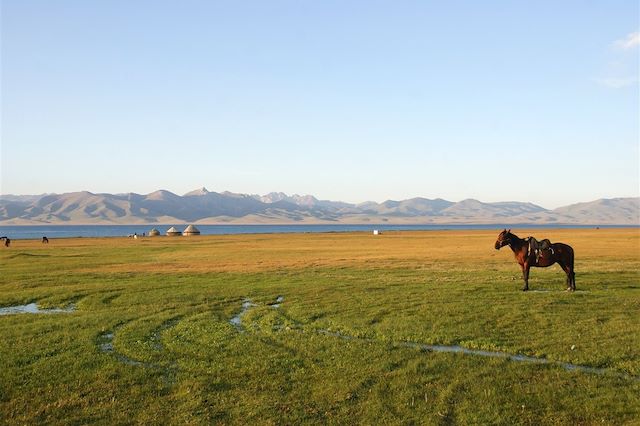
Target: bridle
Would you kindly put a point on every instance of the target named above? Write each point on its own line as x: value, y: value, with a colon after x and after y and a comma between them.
x: 506, y: 240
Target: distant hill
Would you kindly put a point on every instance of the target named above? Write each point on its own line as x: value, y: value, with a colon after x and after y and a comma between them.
x: 206, y: 207
x: 613, y: 210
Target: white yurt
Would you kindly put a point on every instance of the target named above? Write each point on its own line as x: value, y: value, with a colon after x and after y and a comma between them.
x: 154, y: 232
x: 191, y: 230
x: 173, y: 232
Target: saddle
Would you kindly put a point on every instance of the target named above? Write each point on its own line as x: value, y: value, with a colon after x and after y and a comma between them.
x: 538, y: 247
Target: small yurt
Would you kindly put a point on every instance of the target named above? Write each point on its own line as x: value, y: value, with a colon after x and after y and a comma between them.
x: 173, y: 232
x: 154, y: 232
x: 191, y: 230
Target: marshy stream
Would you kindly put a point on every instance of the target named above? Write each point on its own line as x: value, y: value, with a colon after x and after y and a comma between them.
x: 247, y: 304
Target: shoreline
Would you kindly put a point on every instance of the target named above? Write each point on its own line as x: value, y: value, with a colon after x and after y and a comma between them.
x: 36, y: 232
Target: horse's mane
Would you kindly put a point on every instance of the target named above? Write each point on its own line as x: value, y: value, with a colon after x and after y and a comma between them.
x: 515, y: 239
x: 513, y: 235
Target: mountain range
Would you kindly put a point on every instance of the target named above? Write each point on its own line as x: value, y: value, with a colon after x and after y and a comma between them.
x: 205, y: 207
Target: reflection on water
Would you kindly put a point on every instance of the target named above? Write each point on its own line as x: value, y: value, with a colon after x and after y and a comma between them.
x: 105, y: 343
x: 32, y: 308
x: 513, y: 357
x: 236, y: 321
x: 277, y: 303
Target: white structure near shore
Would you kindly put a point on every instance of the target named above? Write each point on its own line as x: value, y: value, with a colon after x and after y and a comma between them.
x: 173, y: 232
x: 191, y: 230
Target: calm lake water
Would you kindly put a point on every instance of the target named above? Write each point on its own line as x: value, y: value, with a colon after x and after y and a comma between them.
x: 69, y: 231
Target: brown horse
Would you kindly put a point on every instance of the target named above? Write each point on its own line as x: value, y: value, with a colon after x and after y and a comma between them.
x: 560, y: 253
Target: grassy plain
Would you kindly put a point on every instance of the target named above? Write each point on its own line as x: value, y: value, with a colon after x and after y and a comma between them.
x: 151, y: 342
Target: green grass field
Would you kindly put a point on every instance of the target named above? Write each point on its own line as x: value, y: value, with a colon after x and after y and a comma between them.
x: 151, y: 341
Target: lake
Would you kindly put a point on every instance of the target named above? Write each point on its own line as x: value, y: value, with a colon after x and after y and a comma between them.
x: 71, y: 231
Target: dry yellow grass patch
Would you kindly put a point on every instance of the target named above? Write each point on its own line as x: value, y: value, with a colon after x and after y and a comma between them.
x: 462, y: 249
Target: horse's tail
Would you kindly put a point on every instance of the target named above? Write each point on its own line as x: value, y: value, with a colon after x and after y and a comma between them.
x: 573, y: 256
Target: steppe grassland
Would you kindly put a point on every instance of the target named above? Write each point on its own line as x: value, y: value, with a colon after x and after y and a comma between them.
x: 167, y: 303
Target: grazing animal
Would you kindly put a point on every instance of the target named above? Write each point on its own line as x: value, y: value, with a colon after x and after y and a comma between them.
x: 7, y: 241
x: 45, y: 240
x: 559, y: 253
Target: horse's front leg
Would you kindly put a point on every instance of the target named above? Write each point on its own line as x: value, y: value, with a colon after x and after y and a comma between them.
x: 525, y: 276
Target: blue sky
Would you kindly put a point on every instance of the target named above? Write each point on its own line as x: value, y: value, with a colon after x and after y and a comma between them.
x: 346, y: 100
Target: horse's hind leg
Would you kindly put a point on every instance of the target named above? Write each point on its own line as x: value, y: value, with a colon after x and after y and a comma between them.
x: 571, y: 274
x: 572, y: 279
x: 571, y: 283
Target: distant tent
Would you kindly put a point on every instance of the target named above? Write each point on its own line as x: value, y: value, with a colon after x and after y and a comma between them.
x: 191, y: 230
x: 154, y: 232
x: 173, y: 232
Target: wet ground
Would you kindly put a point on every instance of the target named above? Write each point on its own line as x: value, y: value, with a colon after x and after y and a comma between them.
x: 105, y: 339
x: 248, y: 304
x: 32, y: 308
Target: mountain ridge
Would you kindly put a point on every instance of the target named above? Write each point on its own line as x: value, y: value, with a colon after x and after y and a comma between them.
x: 208, y: 207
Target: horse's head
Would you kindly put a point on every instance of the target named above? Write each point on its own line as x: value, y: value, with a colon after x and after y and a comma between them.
x: 504, y: 239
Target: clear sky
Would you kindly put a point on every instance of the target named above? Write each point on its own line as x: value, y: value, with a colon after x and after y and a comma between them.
x: 346, y: 100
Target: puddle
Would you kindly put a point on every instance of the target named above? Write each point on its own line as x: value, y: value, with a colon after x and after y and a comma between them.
x: 236, y: 321
x: 105, y: 343
x: 156, y: 339
x: 32, y: 308
x: 491, y: 354
x: 247, y: 304
x: 505, y: 355
x: 277, y: 303
x: 169, y: 370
